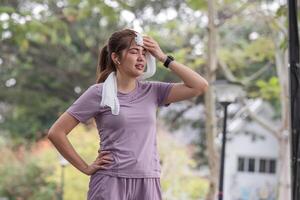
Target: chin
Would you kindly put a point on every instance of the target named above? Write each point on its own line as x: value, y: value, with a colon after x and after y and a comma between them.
x: 138, y: 73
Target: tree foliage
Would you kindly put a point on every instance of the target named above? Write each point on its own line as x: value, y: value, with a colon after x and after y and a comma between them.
x: 22, y: 177
x: 86, y: 142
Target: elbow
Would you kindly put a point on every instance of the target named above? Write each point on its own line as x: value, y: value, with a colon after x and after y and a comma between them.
x: 55, y: 134
x: 50, y: 135
x: 203, y: 88
x: 53, y: 137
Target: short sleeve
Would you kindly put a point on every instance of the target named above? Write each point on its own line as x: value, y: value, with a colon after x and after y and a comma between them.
x: 87, y: 105
x: 162, y: 90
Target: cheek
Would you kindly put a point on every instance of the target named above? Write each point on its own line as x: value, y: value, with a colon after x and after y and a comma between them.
x: 131, y: 59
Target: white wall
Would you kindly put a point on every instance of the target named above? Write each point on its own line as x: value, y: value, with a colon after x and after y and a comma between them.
x: 250, y: 185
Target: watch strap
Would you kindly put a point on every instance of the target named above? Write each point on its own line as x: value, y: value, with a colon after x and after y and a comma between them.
x: 168, y: 60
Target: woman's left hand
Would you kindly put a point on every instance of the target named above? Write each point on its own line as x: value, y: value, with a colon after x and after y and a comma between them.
x: 152, y: 46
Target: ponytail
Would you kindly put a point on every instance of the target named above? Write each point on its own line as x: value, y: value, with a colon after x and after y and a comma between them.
x: 104, y: 66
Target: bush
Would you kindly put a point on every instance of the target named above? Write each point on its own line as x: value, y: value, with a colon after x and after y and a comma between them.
x: 21, y: 177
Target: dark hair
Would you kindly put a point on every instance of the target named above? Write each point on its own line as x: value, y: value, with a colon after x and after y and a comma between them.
x: 117, y: 42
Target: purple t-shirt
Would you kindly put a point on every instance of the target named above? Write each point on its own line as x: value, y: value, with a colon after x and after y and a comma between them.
x: 131, y: 135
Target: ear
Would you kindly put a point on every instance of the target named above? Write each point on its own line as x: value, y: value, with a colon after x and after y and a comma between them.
x: 115, y: 57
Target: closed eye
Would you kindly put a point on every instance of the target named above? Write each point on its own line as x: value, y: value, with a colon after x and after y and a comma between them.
x: 136, y: 50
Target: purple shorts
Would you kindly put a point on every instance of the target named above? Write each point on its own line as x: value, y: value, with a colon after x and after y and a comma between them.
x: 105, y: 187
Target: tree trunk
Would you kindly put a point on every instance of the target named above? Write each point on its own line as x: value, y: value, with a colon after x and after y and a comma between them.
x: 284, y: 182
x: 210, y: 124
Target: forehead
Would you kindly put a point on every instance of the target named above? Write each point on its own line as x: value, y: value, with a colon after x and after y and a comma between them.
x: 135, y: 46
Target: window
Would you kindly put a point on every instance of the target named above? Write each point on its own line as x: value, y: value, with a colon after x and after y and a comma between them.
x: 241, y: 164
x: 272, y: 166
x: 262, y: 165
x: 251, y: 165
x: 256, y: 165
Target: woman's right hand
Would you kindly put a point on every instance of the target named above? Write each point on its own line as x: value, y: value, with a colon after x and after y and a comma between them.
x: 103, y: 158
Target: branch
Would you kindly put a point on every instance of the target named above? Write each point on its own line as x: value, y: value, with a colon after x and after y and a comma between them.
x: 262, y: 122
x: 271, y: 19
x: 180, y: 113
x: 254, y: 76
x: 124, y: 5
x: 228, y: 74
x: 246, y: 81
x: 237, y: 12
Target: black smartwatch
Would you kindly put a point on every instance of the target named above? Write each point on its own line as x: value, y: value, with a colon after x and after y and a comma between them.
x: 167, y: 62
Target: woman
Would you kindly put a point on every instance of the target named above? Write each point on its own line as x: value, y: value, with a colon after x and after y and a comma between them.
x: 127, y: 166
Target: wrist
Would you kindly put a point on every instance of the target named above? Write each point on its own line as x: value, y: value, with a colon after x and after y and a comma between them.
x: 168, y: 60
x: 163, y: 58
x: 85, y: 170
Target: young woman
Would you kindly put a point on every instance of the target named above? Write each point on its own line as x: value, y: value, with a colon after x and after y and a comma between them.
x: 127, y: 166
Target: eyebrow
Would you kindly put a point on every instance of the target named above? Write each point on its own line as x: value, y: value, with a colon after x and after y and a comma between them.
x: 137, y: 48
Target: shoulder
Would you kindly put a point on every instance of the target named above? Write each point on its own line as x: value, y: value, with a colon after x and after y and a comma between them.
x: 146, y: 84
x: 152, y: 83
x: 159, y: 84
x: 94, y: 89
x: 96, y: 86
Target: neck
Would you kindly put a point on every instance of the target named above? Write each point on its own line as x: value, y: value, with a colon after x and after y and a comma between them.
x: 125, y: 83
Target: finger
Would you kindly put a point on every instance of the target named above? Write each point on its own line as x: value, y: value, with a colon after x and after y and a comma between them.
x: 102, y: 167
x: 105, y: 158
x: 103, y: 153
x: 146, y: 36
x: 150, y: 40
x: 146, y: 47
x: 151, y: 49
x: 99, y: 167
x: 108, y: 157
x: 101, y: 159
x: 149, y: 44
x: 146, y: 39
x: 152, y: 44
x: 99, y: 151
x: 97, y: 164
x: 101, y: 162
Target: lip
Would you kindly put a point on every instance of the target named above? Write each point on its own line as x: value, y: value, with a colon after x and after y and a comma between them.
x: 139, y: 66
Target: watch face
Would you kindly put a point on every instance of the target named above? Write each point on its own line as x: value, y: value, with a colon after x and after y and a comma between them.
x: 171, y: 57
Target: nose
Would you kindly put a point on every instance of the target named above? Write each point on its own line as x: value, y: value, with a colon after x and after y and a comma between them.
x: 141, y: 56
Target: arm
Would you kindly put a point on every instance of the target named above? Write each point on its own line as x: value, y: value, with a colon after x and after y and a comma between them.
x: 58, y: 136
x: 193, y: 83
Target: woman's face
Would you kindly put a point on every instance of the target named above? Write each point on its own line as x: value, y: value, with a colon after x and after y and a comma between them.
x: 133, y: 60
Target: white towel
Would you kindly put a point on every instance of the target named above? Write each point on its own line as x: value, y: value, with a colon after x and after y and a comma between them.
x: 110, y: 90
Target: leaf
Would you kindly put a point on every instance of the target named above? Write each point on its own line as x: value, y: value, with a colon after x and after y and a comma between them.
x: 197, y: 5
x: 24, y: 45
x: 282, y: 11
x: 7, y: 9
x: 260, y: 50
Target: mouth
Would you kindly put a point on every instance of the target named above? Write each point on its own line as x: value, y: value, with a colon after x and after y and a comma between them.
x: 140, y: 66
